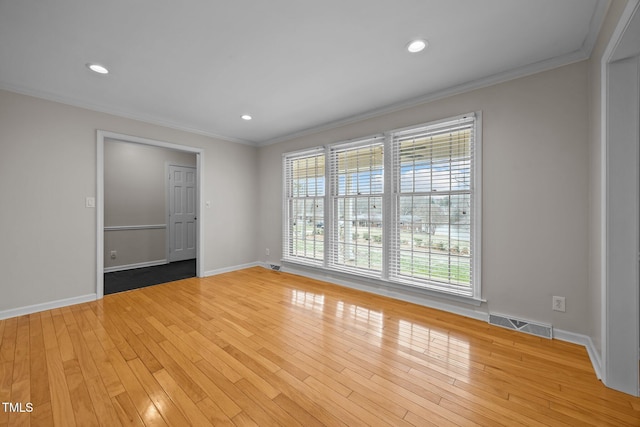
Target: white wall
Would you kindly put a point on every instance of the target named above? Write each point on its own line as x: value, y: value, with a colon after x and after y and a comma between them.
x: 48, y: 162
x: 535, y: 139
x: 134, y: 195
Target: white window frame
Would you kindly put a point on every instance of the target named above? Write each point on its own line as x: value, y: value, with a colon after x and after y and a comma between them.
x: 388, y: 275
x: 287, y: 232
x: 475, y: 192
x: 332, y: 242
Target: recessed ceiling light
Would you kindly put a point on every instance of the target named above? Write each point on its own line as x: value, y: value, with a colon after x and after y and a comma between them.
x: 246, y: 117
x: 416, y: 46
x: 97, y: 68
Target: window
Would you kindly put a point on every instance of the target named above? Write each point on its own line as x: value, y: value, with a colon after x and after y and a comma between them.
x: 304, y: 206
x: 403, y: 207
x: 357, y: 187
x: 433, y: 206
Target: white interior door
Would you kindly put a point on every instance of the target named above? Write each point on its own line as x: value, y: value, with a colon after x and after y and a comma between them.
x: 182, y: 213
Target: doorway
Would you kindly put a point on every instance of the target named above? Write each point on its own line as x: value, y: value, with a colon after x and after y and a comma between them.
x: 141, y: 224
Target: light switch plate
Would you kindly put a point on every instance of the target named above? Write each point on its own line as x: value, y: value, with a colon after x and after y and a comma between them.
x: 90, y: 202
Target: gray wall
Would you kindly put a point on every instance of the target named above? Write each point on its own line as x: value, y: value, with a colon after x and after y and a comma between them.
x: 535, y: 192
x: 135, y: 195
x: 48, y: 160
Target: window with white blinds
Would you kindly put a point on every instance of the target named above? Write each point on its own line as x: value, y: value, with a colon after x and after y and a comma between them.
x: 304, y: 189
x: 357, y: 187
x: 432, y: 227
x: 402, y: 207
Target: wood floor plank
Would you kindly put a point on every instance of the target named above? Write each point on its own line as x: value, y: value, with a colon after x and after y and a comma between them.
x: 249, y: 350
x: 158, y: 396
x: 142, y: 403
x: 266, y: 403
x: 255, y: 373
x: 20, y: 395
x: 244, y: 420
x: 188, y: 407
x: 83, y: 355
x: 296, y: 411
x: 173, y: 334
x: 80, y: 398
x: 117, y: 339
x: 48, y: 330
x: 126, y: 410
x: 322, y: 397
x: 293, y: 368
x: 109, y: 377
x: 297, y: 391
x: 133, y: 340
x: 6, y: 381
x: 62, y: 335
x: 21, y: 365
x: 257, y: 347
x: 250, y: 412
x: 102, y: 404
x: 59, y: 391
x: 3, y: 324
x: 208, y: 387
x: 174, y: 368
x: 211, y: 351
x: 38, y: 376
x: 43, y: 416
x: 374, y: 393
x: 214, y: 413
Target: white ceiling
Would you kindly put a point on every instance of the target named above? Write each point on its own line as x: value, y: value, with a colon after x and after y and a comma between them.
x: 295, y: 65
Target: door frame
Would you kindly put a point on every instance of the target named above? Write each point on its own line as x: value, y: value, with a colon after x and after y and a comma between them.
x: 101, y: 135
x: 168, y: 193
x: 620, y: 315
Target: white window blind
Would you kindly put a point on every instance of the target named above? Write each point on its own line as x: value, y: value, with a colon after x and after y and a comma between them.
x: 402, y: 208
x: 433, y: 206
x: 357, y: 187
x: 304, y: 189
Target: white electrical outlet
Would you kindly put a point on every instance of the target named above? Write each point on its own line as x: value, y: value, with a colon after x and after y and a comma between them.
x: 266, y: 251
x: 114, y: 254
x: 558, y: 304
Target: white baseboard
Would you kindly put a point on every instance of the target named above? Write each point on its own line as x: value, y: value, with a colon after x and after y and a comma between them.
x: 389, y: 292
x: 585, y: 341
x: 134, y: 266
x: 21, y: 311
x: 232, y: 268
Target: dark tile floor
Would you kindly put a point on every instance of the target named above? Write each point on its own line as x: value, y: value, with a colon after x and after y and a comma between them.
x: 120, y: 281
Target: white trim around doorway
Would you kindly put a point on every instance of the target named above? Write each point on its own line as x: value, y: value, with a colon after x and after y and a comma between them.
x: 619, y: 364
x: 101, y: 136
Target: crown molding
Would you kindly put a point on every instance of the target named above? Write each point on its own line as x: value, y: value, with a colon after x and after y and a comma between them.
x: 492, y: 80
x: 49, y: 96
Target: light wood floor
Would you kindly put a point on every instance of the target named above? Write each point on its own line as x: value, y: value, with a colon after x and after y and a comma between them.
x: 257, y: 347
